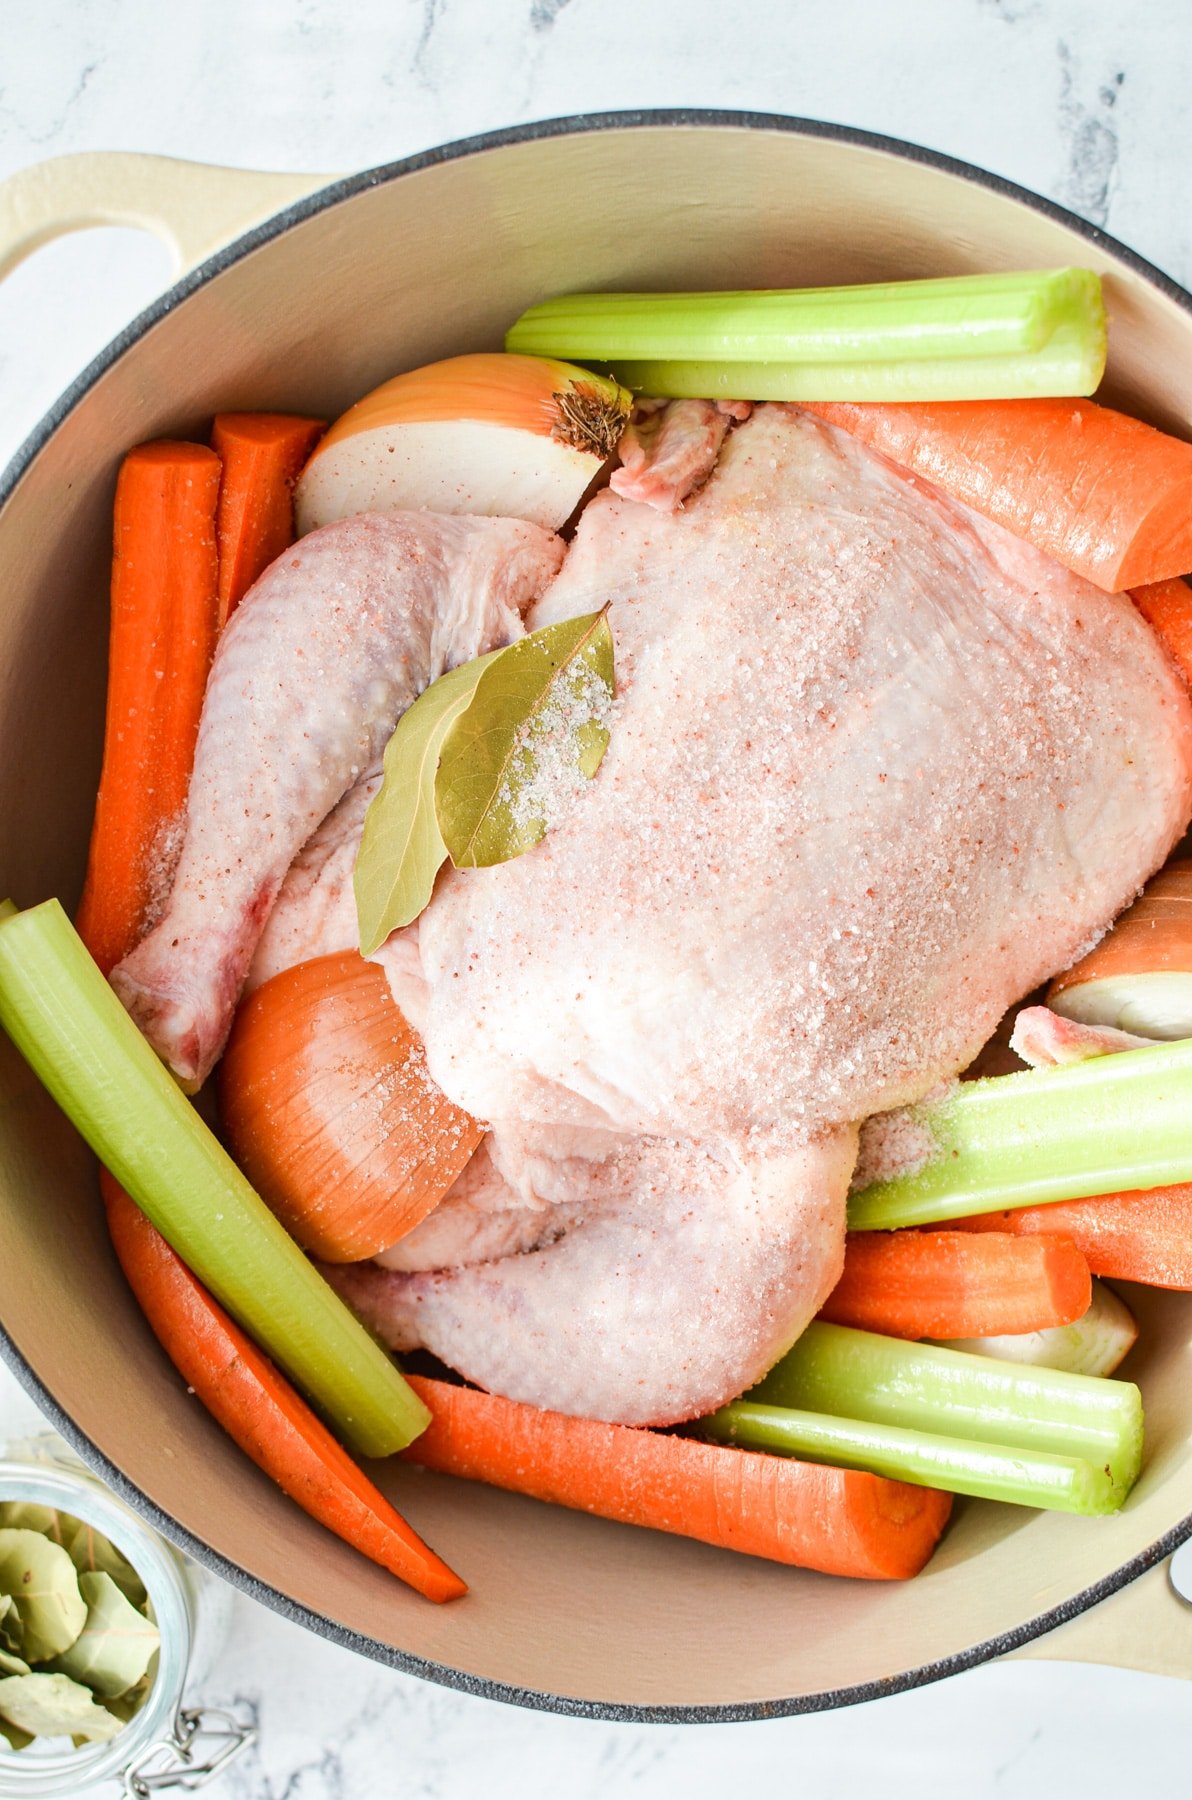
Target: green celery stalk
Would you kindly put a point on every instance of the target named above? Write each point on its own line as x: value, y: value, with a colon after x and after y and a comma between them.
x: 975, y: 337
x: 72, y: 1030
x: 861, y: 1375
x: 1113, y: 1123
x: 1071, y: 362
x: 960, y: 1466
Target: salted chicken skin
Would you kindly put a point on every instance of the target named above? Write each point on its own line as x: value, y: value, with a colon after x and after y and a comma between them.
x: 877, y: 768
x: 318, y: 663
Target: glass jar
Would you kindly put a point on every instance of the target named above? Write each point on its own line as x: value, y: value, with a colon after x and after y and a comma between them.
x: 163, y: 1745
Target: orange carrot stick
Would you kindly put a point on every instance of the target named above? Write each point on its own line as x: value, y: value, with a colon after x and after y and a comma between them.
x: 259, y: 1409
x: 162, y: 640
x: 1143, y: 1236
x: 157, y: 534
x: 1106, y: 495
x: 840, y: 1521
x: 949, y: 1284
x: 1167, y: 607
x: 263, y: 455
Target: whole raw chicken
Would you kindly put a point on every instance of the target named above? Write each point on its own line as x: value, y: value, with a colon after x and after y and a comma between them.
x: 877, y: 769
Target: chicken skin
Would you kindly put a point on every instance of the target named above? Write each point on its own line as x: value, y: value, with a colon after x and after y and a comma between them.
x: 877, y: 768
x: 340, y: 635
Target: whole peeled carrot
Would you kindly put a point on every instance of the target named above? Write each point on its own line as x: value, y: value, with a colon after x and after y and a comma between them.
x: 840, y: 1521
x: 259, y: 1409
x: 1144, y: 1236
x: 164, y: 623
x: 1106, y: 495
x: 263, y: 455
x: 951, y: 1284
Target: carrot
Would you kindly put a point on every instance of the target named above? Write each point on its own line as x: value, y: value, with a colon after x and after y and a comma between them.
x: 1167, y: 608
x: 948, y: 1284
x: 1144, y: 1236
x: 1106, y: 495
x: 259, y: 1409
x: 263, y: 455
x: 840, y: 1521
x: 163, y: 533
x: 162, y: 640
x: 1139, y: 977
x: 331, y: 1111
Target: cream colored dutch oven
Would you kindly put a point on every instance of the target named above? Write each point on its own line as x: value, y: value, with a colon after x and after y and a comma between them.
x: 305, y: 308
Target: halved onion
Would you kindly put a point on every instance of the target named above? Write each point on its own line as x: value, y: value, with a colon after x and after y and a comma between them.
x: 514, y: 436
x: 1139, y: 977
x: 1093, y: 1345
x: 330, y: 1110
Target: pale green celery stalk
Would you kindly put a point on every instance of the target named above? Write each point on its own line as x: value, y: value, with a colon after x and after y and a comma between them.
x: 1113, y: 1123
x: 1071, y: 362
x: 965, y: 316
x: 861, y: 1375
x: 72, y: 1030
x: 988, y: 1471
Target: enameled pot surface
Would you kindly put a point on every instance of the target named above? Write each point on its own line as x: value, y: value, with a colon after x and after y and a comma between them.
x: 381, y: 272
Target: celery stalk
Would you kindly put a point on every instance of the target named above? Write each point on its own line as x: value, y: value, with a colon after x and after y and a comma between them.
x: 967, y: 315
x: 861, y: 1375
x: 970, y: 336
x: 72, y: 1030
x: 1071, y: 362
x: 960, y: 1466
x: 1097, y: 1127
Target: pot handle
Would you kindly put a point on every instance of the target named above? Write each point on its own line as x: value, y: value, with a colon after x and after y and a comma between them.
x: 1146, y: 1625
x: 194, y: 208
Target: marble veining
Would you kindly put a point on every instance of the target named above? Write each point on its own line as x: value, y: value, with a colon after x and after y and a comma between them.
x: 1084, y: 100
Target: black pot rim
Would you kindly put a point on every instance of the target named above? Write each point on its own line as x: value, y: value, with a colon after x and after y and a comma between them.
x: 169, y: 1528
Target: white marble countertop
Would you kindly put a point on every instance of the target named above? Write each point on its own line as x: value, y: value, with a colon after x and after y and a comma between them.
x: 1083, y: 100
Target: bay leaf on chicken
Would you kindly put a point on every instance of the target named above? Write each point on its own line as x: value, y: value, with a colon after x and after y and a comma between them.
x: 537, y: 723
x: 402, y: 848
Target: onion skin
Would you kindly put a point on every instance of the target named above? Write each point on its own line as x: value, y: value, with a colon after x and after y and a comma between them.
x: 330, y: 1110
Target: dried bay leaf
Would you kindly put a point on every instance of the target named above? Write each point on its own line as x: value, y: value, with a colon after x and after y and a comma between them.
x: 29, y: 1515
x: 126, y: 1706
x: 89, y: 1550
x: 55, y: 1706
x: 402, y: 849
x: 546, y: 694
x: 41, y: 1578
x: 114, y: 1648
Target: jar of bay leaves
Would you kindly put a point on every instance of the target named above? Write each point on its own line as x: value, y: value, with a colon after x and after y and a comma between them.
x: 105, y: 1613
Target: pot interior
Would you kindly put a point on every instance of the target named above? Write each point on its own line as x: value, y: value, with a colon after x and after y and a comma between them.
x: 437, y: 259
